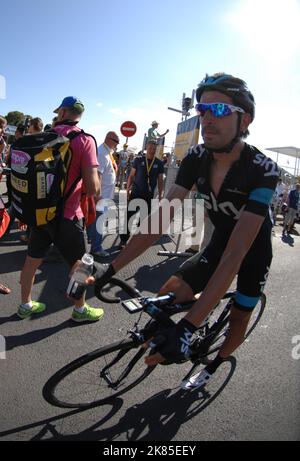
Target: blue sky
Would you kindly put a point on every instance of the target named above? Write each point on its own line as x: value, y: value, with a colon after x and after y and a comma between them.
x: 131, y: 60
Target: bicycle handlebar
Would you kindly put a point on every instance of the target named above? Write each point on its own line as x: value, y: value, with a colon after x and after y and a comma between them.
x: 151, y: 305
x: 159, y: 308
x: 132, y: 292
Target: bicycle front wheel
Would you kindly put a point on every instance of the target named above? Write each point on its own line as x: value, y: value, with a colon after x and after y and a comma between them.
x: 95, y: 378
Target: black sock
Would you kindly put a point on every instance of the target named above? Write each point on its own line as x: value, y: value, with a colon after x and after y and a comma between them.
x: 211, y: 368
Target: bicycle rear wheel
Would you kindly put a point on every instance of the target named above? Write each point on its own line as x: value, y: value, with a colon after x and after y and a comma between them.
x: 95, y: 378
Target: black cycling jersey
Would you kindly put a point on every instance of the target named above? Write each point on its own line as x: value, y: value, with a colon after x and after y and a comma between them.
x: 248, y: 186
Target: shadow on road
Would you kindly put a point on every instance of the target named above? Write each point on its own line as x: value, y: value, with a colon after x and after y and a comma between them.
x: 288, y: 239
x: 157, y: 419
x: 35, y: 336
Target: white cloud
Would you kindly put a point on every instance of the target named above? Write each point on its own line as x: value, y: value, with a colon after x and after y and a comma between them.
x: 99, y: 104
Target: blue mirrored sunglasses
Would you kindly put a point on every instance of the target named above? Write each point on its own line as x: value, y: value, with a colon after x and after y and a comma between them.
x: 218, y: 109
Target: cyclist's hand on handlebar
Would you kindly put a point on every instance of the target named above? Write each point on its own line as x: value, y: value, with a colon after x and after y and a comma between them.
x: 102, y: 275
x: 172, y: 344
x: 89, y: 281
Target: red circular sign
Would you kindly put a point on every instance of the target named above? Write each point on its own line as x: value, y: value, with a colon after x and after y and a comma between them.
x: 128, y: 129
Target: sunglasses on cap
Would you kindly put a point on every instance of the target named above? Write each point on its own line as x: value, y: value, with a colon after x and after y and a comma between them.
x: 218, y: 109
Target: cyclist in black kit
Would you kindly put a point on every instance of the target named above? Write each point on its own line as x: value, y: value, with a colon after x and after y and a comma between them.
x: 237, y: 183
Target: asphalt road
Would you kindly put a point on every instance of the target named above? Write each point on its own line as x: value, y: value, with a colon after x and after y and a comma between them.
x: 254, y: 397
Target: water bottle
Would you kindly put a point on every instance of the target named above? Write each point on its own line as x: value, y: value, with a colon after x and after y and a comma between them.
x: 77, y: 285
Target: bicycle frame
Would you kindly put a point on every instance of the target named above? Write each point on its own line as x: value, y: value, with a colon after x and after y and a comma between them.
x: 109, y: 372
x: 161, y: 316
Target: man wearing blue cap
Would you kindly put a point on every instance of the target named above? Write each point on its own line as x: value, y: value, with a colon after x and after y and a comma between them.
x: 71, y: 103
x: 68, y: 233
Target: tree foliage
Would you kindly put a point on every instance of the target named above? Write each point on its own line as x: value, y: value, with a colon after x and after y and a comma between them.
x: 15, y: 117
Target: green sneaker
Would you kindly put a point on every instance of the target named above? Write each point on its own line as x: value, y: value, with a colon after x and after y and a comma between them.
x: 90, y: 314
x: 37, y: 308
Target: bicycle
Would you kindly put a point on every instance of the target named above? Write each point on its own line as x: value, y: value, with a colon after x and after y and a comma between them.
x: 109, y: 371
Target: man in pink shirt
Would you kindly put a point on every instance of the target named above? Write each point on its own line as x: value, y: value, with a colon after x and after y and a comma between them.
x: 66, y: 232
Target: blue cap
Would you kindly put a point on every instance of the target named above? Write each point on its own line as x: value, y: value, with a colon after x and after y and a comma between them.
x: 71, y: 101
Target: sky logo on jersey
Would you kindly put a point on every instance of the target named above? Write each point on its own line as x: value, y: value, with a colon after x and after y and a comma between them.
x: 227, y: 208
x: 270, y: 166
x: 198, y: 149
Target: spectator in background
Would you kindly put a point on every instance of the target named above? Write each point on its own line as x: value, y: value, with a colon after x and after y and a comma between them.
x: 153, y: 134
x: 3, y: 125
x: 4, y: 157
x: 122, y: 165
x: 277, y: 199
x: 107, y: 171
x: 146, y: 174
x: 49, y: 126
x: 4, y: 290
x: 35, y: 125
x: 66, y: 231
x: 293, y: 202
x: 129, y: 166
x: 20, y: 131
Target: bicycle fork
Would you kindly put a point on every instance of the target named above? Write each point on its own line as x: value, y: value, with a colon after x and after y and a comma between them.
x: 105, y: 373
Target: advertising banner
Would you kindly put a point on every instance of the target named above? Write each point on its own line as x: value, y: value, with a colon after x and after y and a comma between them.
x: 187, y: 135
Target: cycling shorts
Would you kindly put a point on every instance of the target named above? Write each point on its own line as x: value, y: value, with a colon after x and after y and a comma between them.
x: 251, y: 277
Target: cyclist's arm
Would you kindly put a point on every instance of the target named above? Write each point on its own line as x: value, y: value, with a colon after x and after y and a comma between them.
x: 141, y: 242
x: 237, y: 247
